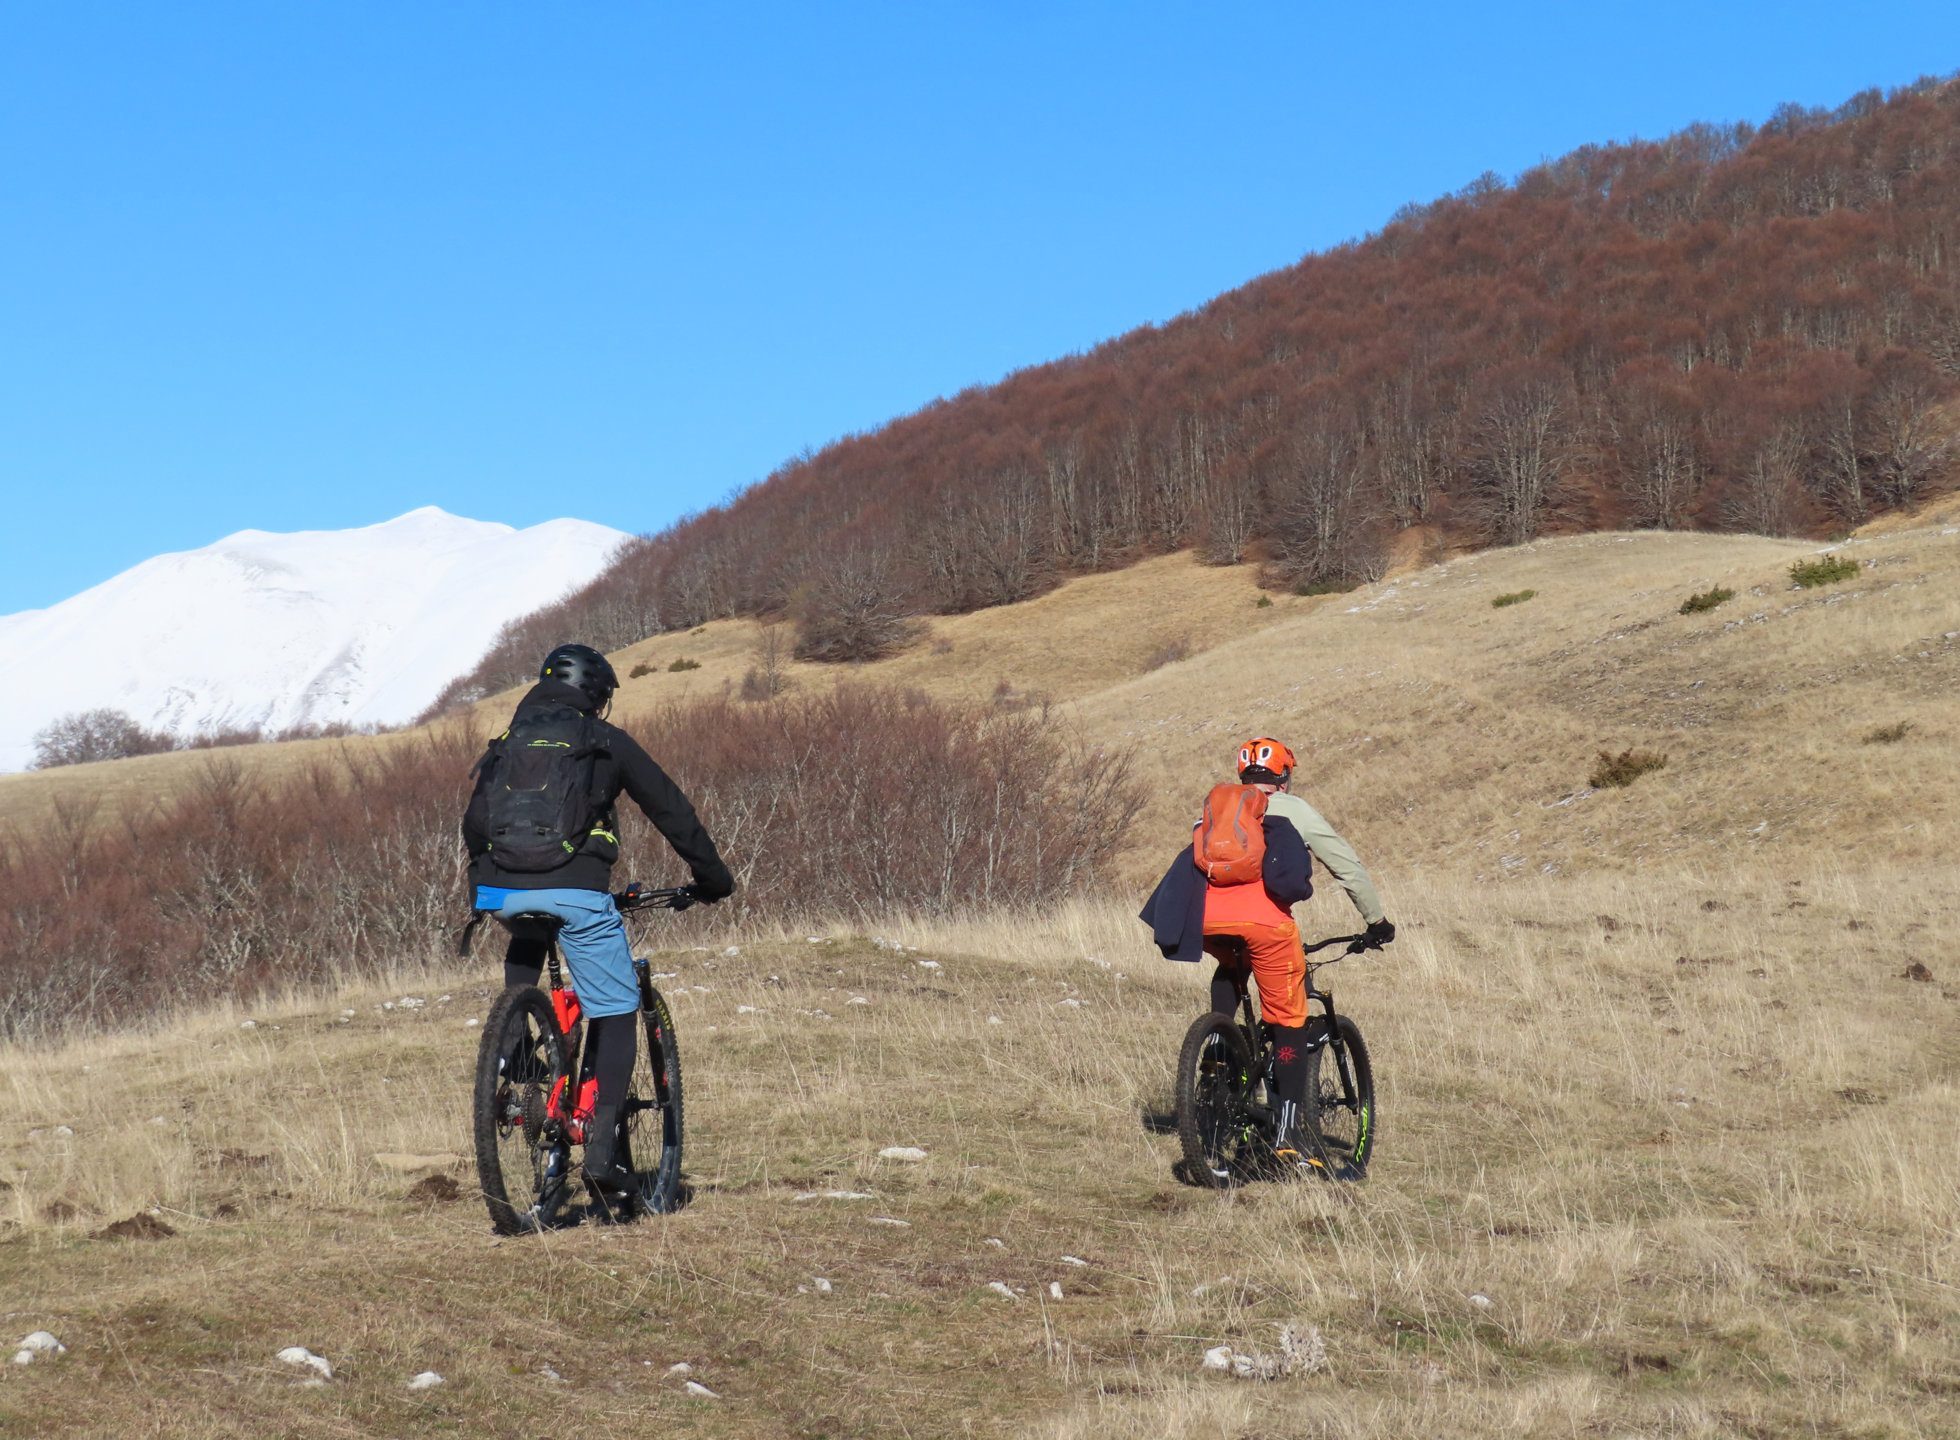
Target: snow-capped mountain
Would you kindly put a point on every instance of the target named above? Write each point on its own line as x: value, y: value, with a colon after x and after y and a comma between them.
x: 323, y: 626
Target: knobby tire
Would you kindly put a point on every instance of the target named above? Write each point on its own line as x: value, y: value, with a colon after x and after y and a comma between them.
x: 652, y: 1119
x: 1214, y: 1086
x: 521, y: 1056
x: 1341, y: 1108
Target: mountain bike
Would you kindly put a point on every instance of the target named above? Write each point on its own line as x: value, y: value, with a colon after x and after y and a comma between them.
x: 1227, y: 1111
x: 535, y: 1092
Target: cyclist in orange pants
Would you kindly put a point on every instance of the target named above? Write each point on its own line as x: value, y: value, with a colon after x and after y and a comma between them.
x: 1251, y: 926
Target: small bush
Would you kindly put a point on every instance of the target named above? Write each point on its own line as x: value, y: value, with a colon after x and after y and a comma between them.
x: 683, y: 664
x: 1611, y: 770
x: 1516, y: 597
x: 1888, y: 734
x: 1168, y: 653
x: 1326, y: 587
x: 638, y: 670
x: 1265, y: 602
x: 1808, y: 574
x: 1707, y: 600
x: 86, y: 736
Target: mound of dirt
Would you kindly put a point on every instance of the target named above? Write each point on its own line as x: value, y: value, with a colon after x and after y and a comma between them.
x: 435, y: 1190
x: 137, y: 1227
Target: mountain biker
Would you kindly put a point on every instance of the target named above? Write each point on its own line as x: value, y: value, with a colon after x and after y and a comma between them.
x: 1249, y: 928
x: 575, y: 683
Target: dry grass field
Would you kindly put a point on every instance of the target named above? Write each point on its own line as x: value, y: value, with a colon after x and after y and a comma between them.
x: 1669, y: 1075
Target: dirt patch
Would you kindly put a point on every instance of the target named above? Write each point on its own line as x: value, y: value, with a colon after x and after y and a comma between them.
x: 58, y: 1211
x: 136, y: 1227
x: 435, y: 1190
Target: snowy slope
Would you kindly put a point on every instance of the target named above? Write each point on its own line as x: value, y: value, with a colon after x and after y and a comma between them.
x: 323, y: 626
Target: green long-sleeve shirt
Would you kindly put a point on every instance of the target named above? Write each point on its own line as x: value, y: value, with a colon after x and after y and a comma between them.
x: 1331, y: 850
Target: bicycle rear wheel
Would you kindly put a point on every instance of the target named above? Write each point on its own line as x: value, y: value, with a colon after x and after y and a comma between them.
x: 523, y: 1162
x: 1341, y: 1102
x: 1214, y: 1086
x: 651, y: 1122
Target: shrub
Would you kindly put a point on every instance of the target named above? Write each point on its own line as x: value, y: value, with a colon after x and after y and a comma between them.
x: 1326, y: 587
x: 90, y: 735
x: 1611, y: 770
x: 1265, y: 602
x: 349, y: 866
x: 683, y: 663
x: 853, y: 610
x: 1888, y: 734
x: 1829, y: 570
x: 638, y: 670
x: 1707, y: 600
x: 1516, y: 597
x: 1169, y: 653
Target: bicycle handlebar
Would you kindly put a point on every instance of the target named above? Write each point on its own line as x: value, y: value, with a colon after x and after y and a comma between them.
x: 637, y: 897
x: 1355, y: 945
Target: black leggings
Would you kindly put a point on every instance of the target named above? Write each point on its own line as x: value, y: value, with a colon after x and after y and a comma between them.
x: 1289, y: 1041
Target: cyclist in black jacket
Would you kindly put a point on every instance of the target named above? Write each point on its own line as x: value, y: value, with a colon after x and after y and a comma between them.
x: 578, y: 892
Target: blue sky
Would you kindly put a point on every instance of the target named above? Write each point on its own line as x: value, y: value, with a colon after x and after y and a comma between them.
x: 311, y: 265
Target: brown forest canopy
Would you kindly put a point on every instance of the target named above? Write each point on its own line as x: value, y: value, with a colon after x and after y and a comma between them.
x: 1731, y: 328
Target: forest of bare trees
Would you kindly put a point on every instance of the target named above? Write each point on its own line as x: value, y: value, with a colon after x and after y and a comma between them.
x: 1735, y: 327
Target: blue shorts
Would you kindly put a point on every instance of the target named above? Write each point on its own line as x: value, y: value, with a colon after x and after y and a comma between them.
x: 593, y: 938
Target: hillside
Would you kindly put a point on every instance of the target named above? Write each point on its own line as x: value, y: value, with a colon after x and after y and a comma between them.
x: 1735, y: 328
x: 1439, y: 731
x: 1667, y: 1074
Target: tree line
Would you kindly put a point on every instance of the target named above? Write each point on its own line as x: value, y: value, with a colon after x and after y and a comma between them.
x: 1736, y: 327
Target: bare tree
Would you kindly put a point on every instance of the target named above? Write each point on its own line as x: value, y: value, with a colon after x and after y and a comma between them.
x: 1519, y: 449
x: 853, y: 608
x: 89, y: 735
x: 1766, y: 497
x: 1412, y: 445
x: 1908, y: 450
x: 1320, y: 498
x: 1653, y: 428
x: 769, y: 676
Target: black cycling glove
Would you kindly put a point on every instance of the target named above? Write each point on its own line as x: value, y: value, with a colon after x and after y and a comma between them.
x: 1379, y: 932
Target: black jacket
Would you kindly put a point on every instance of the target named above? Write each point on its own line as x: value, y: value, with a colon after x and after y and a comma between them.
x: 625, y: 767
x: 1175, y: 911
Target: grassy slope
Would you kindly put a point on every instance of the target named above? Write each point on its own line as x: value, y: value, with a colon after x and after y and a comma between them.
x: 1670, y: 1104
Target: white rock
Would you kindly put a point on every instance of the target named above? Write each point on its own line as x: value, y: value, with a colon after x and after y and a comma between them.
x: 928, y: 964
x: 887, y: 1220
x: 666, y: 974
x: 836, y: 1195
x: 745, y: 1009
x: 823, y: 1286
x: 857, y: 1000
x: 549, y: 1373
x: 1002, y: 1289
x: 249, y: 1025
x: 816, y: 939
x: 733, y: 950
x: 995, y: 1020
x: 996, y: 1242
x: 1219, y: 1357
x: 301, y: 1356
x: 901, y: 1152
x: 1074, y: 1260
x: 427, y: 1380
x: 695, y: 1387
x: 680, y: 1369
x: 1054, y: 1289
x: 40, y: 1345
x: 1073, y: 1001
x: 62, y: 1132
x: 1482, y: 1302
x: 468, y: 1023
x: 23, y: 1357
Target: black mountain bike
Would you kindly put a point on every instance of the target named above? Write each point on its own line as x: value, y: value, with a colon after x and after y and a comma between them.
x: 1227, y: 1112
x: 534, y: 1092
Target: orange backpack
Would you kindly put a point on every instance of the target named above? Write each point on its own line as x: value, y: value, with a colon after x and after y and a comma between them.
x: 1230, y: 843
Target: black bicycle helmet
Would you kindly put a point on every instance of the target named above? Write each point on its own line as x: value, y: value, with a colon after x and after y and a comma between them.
x: 582, y: 668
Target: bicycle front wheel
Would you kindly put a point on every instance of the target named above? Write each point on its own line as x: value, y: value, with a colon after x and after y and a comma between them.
x: 523, y: 1160
x: 1341, y: 1102
x: 650, y: 1121
x: 1214, y: 1087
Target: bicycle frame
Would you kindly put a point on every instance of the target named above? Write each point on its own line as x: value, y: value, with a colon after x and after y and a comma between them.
x: 1260, y: 1039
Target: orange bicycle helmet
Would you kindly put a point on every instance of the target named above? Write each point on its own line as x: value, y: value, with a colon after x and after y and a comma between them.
x: 1264, y: 760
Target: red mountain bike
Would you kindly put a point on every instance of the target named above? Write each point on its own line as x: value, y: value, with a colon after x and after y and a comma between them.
x: 535, y: 1092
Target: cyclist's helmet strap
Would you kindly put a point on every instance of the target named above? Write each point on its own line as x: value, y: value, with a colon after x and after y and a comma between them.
x: 584, y: 669
x: 1264, y: 761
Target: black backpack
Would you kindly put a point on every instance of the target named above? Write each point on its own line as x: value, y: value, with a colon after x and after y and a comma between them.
x: 535, y: 784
